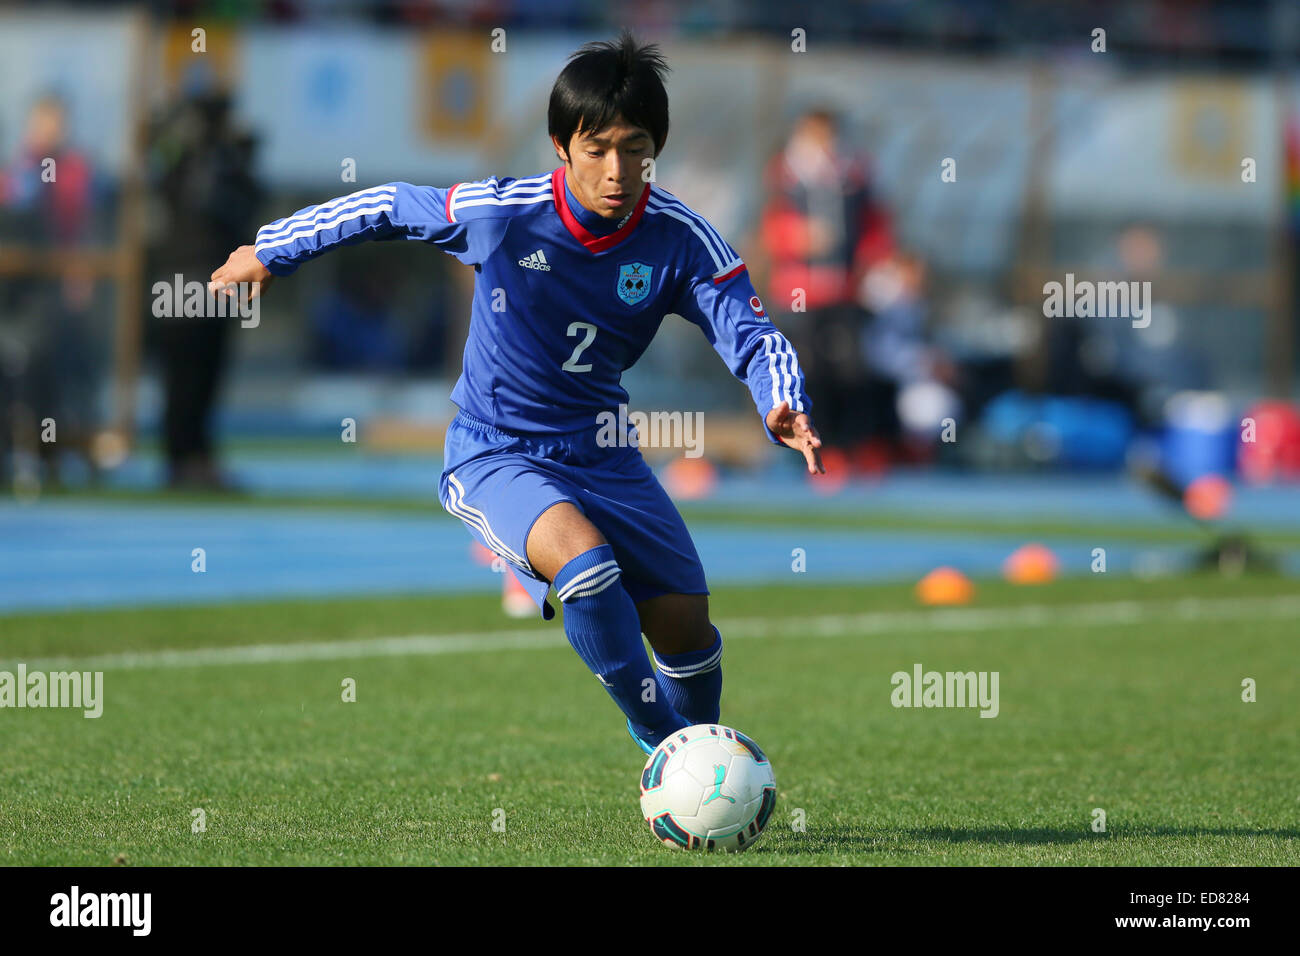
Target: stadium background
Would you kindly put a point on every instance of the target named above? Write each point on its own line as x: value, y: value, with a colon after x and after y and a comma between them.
x: 1062, y: 156
x: 1116, y: 165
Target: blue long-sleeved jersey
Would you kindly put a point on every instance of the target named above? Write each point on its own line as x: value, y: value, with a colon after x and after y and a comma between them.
x: 559, y: 311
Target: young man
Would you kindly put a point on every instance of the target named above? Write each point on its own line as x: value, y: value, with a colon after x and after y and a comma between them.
x: 576, y: 270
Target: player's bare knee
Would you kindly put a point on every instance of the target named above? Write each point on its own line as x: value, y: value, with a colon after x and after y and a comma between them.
x: 676, y: 623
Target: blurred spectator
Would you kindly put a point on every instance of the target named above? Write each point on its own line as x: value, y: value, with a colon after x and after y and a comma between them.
x: 383, y: 310
x: 353, y: 327
x: 202, y: 171
x: 49, y: 179
x: 897, y: 353
x: 823, y: 231
x: 1108, y: 358
x: 46, y: 337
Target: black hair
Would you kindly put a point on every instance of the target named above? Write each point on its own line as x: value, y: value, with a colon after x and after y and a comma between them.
x: 605, y: 80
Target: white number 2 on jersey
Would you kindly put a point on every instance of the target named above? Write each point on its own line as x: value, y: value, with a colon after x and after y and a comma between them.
x: 574, y: 329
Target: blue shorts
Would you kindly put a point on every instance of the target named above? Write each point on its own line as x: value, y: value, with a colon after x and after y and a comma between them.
x: 499, y: 484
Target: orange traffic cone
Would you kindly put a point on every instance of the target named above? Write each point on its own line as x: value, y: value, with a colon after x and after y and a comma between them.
x: 945, y: 586
x: 690, y: 479
x: 1031, y: 564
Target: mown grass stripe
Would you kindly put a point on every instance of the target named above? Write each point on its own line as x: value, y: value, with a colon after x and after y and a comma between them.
x: 1099, y: 614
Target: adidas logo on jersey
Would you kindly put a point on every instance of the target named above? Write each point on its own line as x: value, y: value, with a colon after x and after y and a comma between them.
x: 536, y: 261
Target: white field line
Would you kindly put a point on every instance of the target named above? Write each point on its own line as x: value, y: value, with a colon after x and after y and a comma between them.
x: 816, y: 625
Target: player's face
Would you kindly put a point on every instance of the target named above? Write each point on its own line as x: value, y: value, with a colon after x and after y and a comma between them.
x: 605, y: 167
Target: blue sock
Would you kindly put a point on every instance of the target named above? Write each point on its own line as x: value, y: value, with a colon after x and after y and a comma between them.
x: 602, y: 624
x: 692, y: 681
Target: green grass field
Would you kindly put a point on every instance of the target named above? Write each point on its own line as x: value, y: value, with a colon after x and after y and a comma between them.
x: 1114, y: 694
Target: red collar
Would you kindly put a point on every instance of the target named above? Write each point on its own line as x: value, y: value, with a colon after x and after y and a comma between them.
x: 580, y: 232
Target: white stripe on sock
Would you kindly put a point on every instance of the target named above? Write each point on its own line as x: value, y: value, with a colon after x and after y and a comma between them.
x: 595, y: 587
x: 692, y: 670
x: 583, y: 576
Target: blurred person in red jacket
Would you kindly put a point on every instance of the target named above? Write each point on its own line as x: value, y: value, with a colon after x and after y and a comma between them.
x: 48, y: 334
x: 48, y: 177
x: 823, y: 231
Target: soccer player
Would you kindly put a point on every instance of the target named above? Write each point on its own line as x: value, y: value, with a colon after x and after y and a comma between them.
x: 576, y: 268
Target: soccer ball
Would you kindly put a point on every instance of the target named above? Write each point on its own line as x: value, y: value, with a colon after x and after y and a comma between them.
x: 708, y: 787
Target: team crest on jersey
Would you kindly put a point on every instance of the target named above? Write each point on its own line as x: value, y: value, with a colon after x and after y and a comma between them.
x: 633, y: 282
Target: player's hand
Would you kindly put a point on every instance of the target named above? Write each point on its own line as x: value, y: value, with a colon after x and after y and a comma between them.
x: 242, y: 266
x: 796, y: 430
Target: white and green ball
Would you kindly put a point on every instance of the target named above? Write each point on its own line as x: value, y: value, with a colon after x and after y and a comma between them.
x: 708, y: 787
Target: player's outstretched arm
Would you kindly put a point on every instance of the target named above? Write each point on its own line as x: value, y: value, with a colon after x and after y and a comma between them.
x: 391, y: 211
x: 796, y: 430
x: 241, y: 267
